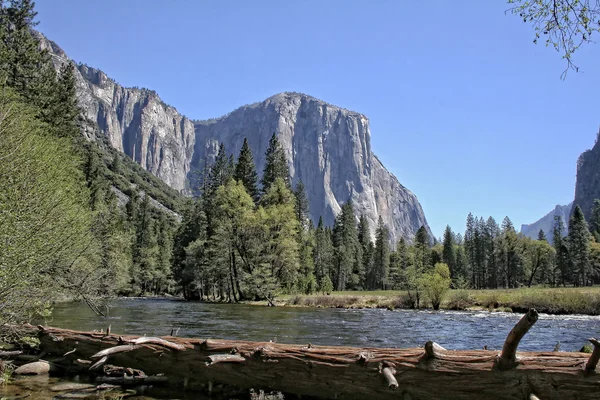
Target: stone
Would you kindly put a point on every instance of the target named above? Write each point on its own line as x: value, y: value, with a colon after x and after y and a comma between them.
x: 71, y: 386
x: 34, y: 368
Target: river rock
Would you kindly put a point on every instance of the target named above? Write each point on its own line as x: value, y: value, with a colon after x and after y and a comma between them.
x: 34, y: 368
x: 70, y: 386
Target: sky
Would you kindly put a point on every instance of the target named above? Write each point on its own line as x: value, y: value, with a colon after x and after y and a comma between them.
x: 464, y: 109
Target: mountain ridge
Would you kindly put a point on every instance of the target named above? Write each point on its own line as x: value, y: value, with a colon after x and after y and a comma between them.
x: 327, y: 146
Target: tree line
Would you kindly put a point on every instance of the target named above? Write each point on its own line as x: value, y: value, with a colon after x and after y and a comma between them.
x: 250, y: 239
x: 64, y: 232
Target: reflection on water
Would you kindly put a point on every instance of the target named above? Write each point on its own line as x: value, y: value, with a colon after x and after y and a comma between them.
x: 367, y: 327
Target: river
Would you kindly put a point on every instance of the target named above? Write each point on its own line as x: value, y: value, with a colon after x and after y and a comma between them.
x: 319, y: 326
x: 324, y: 326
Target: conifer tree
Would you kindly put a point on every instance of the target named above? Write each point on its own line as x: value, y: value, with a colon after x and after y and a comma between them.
x: 579, y: 247
x: 345, y: 241
x: 275, y: 165
x: 301, y: 205
x: 542, y: 236
x: 381, y: 258
x: 595, y: 220
x: 560, y: 245
x: 323, y: 253
x: 245, y: 171
x: 448, y: 254
x: 364, y: 238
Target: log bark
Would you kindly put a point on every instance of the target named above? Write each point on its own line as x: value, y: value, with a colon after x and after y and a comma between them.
x: 338, y: 372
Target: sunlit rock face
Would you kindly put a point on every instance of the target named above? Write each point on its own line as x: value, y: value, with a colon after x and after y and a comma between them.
x: 587, y: 186
x: 327, y: 147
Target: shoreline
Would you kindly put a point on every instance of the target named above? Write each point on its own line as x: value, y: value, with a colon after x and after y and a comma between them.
x: 552, y: 301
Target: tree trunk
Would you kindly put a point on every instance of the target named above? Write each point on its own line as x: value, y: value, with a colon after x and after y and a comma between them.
x: 425, y: 373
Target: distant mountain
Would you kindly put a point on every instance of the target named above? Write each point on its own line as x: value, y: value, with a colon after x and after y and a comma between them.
x: 546, y: 223
x: 587, y: 186
x: 327, y: 147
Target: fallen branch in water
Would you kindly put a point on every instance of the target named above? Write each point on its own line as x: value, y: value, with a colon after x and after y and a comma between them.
x: 430, y: 372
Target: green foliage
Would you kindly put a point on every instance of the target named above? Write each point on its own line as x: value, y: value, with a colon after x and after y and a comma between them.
x: 436, y: 284
x: 579, y: 248
x: 45, y: 225
x: 346, y: 246
x: 245, y: 171
x: 564, y: 25
x: 275, y: 165
x: 381, y: 258
x: 326, y: 286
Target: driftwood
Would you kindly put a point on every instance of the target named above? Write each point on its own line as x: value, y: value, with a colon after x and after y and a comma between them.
x: 431, y: 372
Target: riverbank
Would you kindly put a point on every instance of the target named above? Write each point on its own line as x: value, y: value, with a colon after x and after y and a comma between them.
x: 546, y: 300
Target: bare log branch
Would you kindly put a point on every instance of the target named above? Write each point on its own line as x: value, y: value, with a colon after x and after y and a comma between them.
x: 7, y: 354
x: 115, y: 350
x: 158, y: 341
x: 99, y: 363
x: 225, y: 358
x: 508, y: 358
x: 594, y: 357
x: 388, y: 374
x: 432, y: 349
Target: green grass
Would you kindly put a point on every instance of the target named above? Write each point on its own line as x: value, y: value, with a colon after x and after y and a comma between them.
x: 545, y: 300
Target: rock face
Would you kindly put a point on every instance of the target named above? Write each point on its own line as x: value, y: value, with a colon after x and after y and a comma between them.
x: 135, y: 121
x: 546, y: 223
x: 327, y: 147
x: 587, y: 187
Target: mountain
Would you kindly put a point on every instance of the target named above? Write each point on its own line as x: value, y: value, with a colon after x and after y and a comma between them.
x: 546, y: 223
x: 587, y: 186
x: 327, y: 147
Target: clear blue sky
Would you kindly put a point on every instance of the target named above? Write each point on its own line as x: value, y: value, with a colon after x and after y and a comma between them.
x: 465, y: 110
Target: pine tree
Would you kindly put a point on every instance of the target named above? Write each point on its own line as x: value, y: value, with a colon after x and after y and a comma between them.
x: 187, y: 261
x: 323, y: 253
x: 94, y: 176
x: 381, y: 258
x: 448, y: 254
x: 145, y: 248
x: 422, y: 249
x: 275, y: 165
x: 301, y: 205
x: 579, y: 247
x: 365, y: 273
x: 542, y: 236
x: 492, y: 231
x: 560, y: 245
x: 219, y: 171
x: 245, y: 171
x: 471, y: 247
x: 595, y: 219
x: 282, y: 227
x: 345, y: 242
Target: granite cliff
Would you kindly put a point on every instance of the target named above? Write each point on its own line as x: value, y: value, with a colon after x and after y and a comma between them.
x: 587, y: 186
x: 327, y: 147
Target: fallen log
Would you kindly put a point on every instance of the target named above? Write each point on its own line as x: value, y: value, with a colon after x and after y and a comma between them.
x: 431, y: 372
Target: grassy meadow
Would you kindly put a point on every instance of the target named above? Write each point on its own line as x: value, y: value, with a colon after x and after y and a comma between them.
x: 546, y: 300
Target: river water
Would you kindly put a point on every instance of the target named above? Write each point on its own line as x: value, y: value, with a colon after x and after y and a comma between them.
x: 324, y: 326
x: 319, y: 326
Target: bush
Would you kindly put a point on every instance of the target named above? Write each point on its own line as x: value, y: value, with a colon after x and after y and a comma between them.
x: 460, y: 299
x: 436, y: 284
